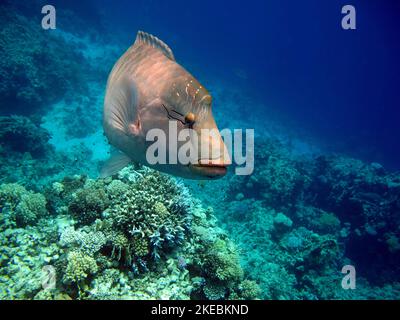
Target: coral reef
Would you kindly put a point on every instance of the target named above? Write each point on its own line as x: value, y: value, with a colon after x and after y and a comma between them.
x: 330, y: 209
x: 88, y: 203
x: 20, y: 134
x: 137, y: 236
x: 79, y: 267
x: 37, y: 73
x: 278, y: 178
x: 22, y: 207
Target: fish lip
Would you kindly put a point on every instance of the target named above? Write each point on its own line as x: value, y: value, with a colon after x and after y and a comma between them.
x: 210, y: 165
x: 211, y: 170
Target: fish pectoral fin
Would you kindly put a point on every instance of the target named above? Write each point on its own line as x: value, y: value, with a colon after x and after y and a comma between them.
x: 135, y: 127
x: 120, y: 110
x: 116, y: 162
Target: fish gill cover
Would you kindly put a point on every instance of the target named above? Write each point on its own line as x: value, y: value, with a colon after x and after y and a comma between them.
x: 284, y: 232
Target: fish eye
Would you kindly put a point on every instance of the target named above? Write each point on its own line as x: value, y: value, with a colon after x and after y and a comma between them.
x: 190, y: 118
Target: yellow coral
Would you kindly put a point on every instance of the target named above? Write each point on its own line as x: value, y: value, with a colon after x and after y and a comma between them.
x: 140, y: 246
x: 79, y: 267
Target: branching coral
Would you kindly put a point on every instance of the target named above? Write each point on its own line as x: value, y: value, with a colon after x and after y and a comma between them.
x: 152, y: 213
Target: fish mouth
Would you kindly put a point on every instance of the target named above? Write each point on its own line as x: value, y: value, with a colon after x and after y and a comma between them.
x: 210, y: 170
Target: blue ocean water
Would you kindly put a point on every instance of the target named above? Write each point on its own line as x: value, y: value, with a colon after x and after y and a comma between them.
x: 338, y: 86
x: 324, y: 194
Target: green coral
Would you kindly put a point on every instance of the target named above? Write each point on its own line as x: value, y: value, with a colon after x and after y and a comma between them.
x: 116, y: 188
x: 80, y: 266
x: 31, y: 207
x: 249, y: 290
x: 152, y: 213
x: 89, y: 203
x: 10, y: 193
x: 25, y: 207
x: 214, y: 291
x: 140, y: 246
x: 222, y: 263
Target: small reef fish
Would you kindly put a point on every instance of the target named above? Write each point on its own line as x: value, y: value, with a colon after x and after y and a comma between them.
x: 146, y: 89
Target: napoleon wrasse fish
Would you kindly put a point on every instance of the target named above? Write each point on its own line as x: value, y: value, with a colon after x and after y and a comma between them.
x: 147, y: 89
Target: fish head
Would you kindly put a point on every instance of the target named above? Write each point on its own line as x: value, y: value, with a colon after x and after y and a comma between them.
x: 184, y: 117
x: 189, y: 106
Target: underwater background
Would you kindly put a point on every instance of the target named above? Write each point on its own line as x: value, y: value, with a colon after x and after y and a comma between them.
x: 325, y: 191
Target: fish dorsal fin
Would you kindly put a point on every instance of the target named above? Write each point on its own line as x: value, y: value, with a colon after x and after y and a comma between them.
x: 146, y: 38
